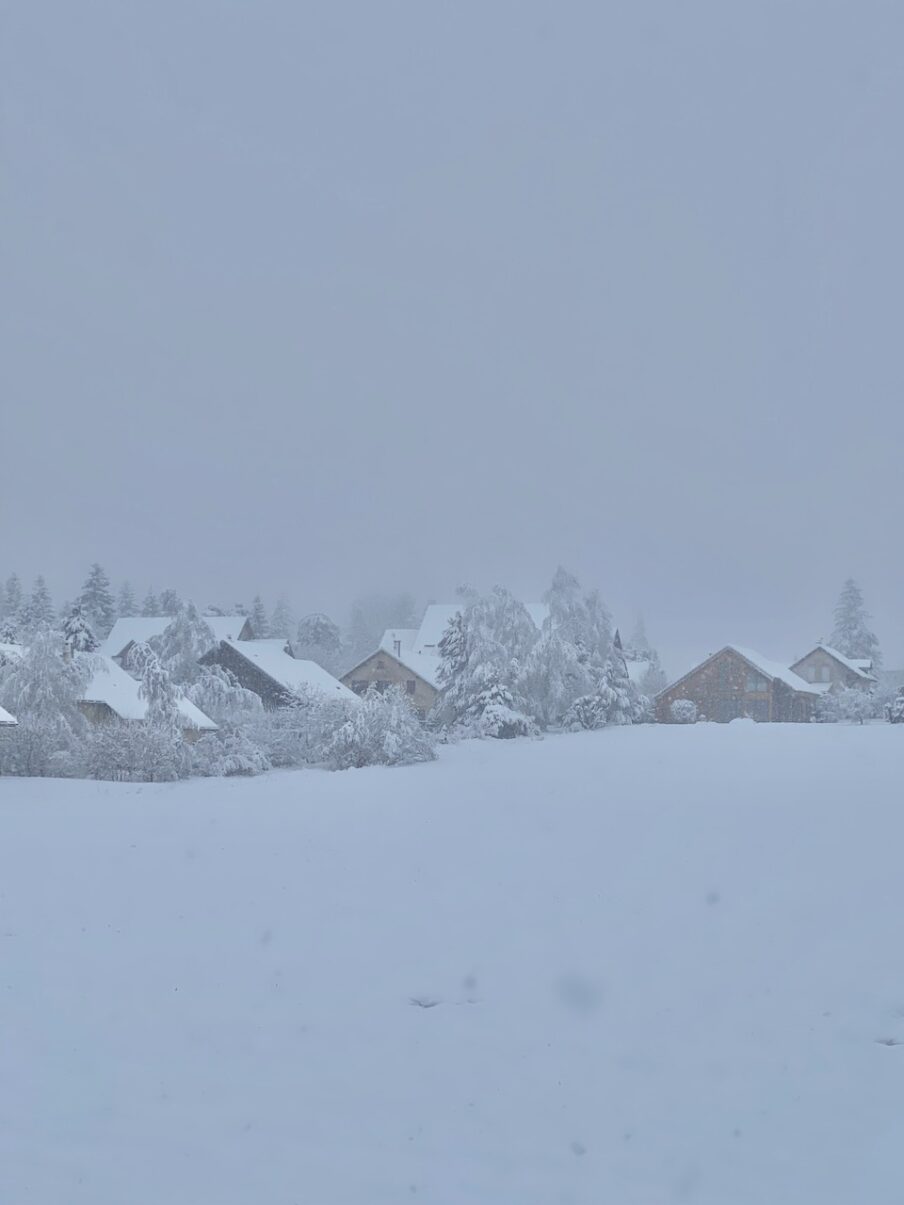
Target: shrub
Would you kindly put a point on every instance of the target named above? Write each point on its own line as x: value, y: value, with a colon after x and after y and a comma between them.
x: 683, y: 711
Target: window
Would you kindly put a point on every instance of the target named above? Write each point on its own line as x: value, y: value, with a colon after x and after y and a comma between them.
x: 359, y: 686
x: 381, y: 664
x: 382, y: 686
x: 756, y: 683
x: 410, y: 686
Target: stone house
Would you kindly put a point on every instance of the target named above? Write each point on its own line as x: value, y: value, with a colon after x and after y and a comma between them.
x: 738, y: 682
x: 827, y: 667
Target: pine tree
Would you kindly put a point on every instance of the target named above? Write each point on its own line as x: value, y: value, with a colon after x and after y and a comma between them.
x: 98, y: 602
x: 12, y: 597
x: 170, y: 602
x: 77, y: 634
x: 851, y: 635
x: 151, y: 605
x: 37, y: 612
x: 282, y: 621
x: 318, y: 639
x: 126, y: 605
x: 259, y: 621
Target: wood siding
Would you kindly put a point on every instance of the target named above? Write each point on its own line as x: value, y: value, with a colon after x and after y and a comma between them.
x: 723, y: 689
x: 382, y: 670
x: 271, y: 693
x: 820, y: 666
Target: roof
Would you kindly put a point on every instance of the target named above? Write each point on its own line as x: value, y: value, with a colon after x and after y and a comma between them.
x: 291, y: 673
x: 438, y: 615
x: 774, y: 670
x: 405, y: 637
x: 110, y: 684
x: 11, y: 652
x: 136, y: 628
x: 858, y: 666
x: 7, y: 720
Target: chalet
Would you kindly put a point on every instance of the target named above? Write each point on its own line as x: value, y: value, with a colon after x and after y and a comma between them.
x: 112, y: 694
x: 417, y: 674
x: 137, y: 628
x: 826, y: 666
x: 409, y: 657
x: 267, y: 668
x: 738, y: 682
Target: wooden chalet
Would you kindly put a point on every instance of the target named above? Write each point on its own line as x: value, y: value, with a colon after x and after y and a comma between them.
x: 269, y: 669
x: 738, y: 682
x: 824, y: 665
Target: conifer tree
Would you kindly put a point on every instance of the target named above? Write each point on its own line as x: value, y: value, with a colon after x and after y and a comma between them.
x: 151, y: 605
x: 318, y: 639
x: 37, y: 611
x: 126, y: 605
x: 77, y: 634
x: 170, y: 602
x: 98, y: 602
x: 259, y: 621
x: 12, y: 597
x: 282, y: 621
x: 852, y: 635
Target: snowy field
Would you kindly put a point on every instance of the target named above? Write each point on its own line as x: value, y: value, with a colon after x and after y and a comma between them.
x: 635, y: 966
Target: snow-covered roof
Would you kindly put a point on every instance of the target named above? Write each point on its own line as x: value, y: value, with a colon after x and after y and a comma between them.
x: 271, y: 658
x: 404, y: 637
x: 437, y: 616
x: 11, y: 652
x: 7, y: 720
x: 137, y: 628
x: 858, y: 666
x: 775, y: 670
x: 110, y: 684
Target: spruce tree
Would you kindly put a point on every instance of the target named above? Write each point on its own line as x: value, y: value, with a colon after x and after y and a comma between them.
x: 259, y: 621
x: 98, y: 602
x: 282, y: 621
x: 37, y: 612
x: 77, y: 634
x: 852, y: 635
x: 151, y: 605
x: 170, y: 602
x: 126, y: 604
x: 12, y: 597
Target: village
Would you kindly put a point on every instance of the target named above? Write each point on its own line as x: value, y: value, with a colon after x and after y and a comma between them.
x: 486, y: 666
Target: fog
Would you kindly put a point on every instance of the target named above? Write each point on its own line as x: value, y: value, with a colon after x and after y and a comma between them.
x: 318, y: 299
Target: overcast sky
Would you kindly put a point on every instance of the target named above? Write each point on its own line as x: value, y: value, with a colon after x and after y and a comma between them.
x: 320, y: 298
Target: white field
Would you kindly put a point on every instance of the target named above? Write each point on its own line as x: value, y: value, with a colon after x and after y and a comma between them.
x: 663, y: 964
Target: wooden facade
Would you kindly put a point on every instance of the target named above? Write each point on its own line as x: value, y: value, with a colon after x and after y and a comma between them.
x: 728, y: 686
x: 383, y: 669
x: 824, y: 665
x: 272, y: 693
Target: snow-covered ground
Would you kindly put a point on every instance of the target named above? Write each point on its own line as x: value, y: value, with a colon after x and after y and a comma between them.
x: 636, y: 966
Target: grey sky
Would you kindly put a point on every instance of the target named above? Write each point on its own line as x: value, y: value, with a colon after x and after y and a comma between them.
x: 319, y: 298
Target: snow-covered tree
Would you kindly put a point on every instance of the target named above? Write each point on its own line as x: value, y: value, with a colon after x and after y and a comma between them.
x: 12, y: 597
x: 383, y: 731
x: 9, y: 631
x: 852, y: 635
x: 170, y: 602
x: 77, y: 634
x: 184, y: 639
x: 42, y: 690
x: 37, y: 610
x: 228, y: 754
x: 895, y: 709
x: 553, y: 676
x: 614, y: 700
x: 282, y: 621
x: 151, y: 605
x: 259, y: 621
x: 487, y: 642
x: 98, y: 602
x: 157, y: 689
x: 639, y: 653
x: 683, y: 711
x: 850, y: 704
x: 319, y: 639
x: 217, y: 692
x: 126, y: 604
x: 495, y: 712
